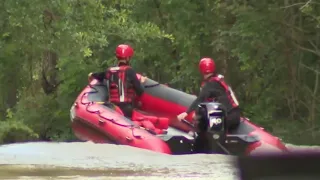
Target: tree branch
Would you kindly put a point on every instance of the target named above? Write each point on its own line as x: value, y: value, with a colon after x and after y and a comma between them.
x: 306, y: 49
x: 301, y: 3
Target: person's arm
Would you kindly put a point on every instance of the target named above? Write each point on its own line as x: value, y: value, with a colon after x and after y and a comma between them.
x: 132, y: 76
x: 209, y: 89
x: 203, y: 95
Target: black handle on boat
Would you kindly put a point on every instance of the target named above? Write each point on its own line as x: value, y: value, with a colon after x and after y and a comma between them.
x: 187, y: 123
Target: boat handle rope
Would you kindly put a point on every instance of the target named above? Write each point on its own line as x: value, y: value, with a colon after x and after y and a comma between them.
x: 152, y: 85
x: 89, y: 103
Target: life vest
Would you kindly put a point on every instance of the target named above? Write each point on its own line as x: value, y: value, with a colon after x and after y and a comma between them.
x: 120, y: 90
x: 220, y: 79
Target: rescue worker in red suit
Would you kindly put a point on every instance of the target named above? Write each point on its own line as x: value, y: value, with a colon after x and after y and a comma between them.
x: 123, y: 85
x: 122, y: 81
x: 215, y: 88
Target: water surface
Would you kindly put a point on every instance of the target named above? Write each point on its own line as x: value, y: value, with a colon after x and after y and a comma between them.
x: 86, y: 160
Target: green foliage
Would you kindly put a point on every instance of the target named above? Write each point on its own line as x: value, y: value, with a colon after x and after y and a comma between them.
x: 14, y: 131
x: 268, y: 50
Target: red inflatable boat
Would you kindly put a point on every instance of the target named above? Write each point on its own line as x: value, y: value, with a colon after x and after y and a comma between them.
x: 103, y: 123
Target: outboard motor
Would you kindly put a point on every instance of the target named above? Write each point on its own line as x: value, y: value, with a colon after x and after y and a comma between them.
x: 211, y: 127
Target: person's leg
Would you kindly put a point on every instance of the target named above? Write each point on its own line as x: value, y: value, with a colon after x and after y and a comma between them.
x: 233, y: 118
x: 126, y: 109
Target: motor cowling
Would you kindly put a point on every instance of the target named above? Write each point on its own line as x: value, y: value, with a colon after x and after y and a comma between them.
x: 211, y: 119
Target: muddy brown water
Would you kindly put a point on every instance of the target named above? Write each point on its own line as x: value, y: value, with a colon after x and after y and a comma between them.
x: 86, y: 161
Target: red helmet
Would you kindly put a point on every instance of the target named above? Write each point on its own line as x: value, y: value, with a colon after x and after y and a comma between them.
x: 124, y: 51
x: 207, y: 65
